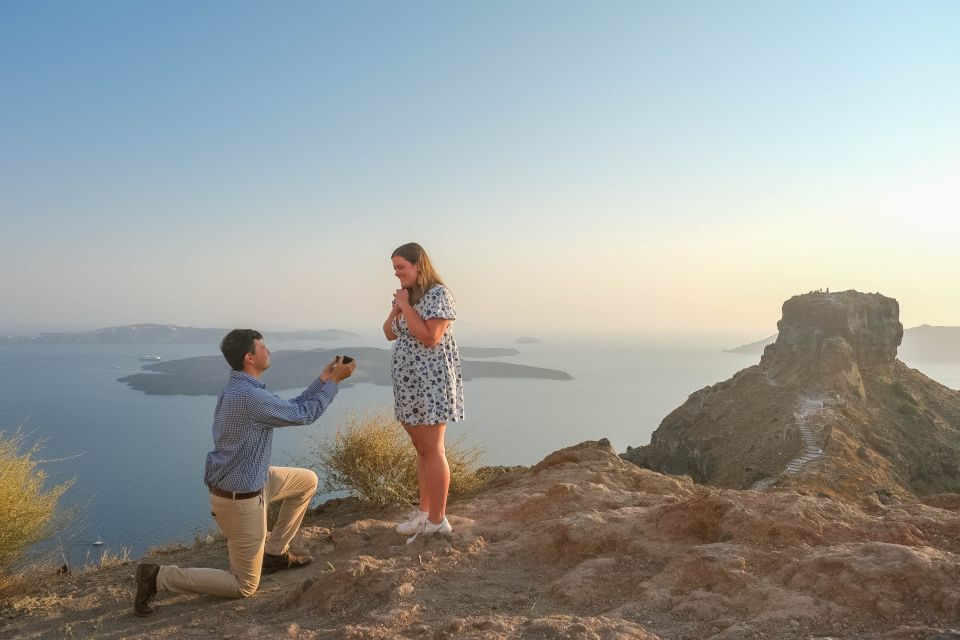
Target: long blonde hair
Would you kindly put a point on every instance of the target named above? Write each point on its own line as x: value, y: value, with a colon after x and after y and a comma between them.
x: 427, y: 276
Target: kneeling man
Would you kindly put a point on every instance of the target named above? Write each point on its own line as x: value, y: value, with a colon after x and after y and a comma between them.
x: 241, y: 480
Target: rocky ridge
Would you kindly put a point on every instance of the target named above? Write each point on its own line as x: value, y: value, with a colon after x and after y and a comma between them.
x: 829, y: 409
x: 583, y: 545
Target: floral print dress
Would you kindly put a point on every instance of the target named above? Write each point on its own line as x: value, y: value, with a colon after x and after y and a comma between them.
x: 427, y: 382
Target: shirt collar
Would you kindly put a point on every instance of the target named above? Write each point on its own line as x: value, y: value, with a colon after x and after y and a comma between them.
x: 243, y: 376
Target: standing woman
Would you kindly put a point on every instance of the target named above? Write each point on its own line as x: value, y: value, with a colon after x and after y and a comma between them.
x: 427, y: 383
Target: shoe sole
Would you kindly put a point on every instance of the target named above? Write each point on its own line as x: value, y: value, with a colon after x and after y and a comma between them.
x: 438, y: 533
x: 405, y: 533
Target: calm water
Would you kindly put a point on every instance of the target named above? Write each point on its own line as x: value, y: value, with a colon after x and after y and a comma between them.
x: 138, y: 460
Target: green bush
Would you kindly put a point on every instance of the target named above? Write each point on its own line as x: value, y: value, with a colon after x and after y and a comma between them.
x: 371, y: 457
x: 28, y: 506
x: 902, y: 392
x: 909, y: 410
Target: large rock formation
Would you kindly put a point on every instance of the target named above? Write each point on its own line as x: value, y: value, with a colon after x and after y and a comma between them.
x: 829, y: 408
x: 825, y: 338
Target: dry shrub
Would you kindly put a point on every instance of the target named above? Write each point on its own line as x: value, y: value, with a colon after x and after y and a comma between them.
x: 201, y: 538
x: 371, y: 457
x: 109, y: 559
x: 28, y: 506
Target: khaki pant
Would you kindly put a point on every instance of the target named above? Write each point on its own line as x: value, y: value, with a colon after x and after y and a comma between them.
x: 244, y: 525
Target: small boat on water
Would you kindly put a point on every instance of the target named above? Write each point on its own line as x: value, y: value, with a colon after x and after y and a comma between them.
x: 151, y: 358
x: 98, y: 541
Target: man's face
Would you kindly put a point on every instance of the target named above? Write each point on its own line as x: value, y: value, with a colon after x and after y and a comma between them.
x: 260, y: 358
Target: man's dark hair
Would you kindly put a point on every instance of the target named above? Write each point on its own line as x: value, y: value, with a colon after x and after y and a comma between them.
x: 237, y: 344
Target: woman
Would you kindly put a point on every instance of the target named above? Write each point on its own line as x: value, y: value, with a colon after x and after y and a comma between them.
x: 427, y: 384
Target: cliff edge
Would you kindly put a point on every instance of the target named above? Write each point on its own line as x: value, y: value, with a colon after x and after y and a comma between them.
x: 581, y: 546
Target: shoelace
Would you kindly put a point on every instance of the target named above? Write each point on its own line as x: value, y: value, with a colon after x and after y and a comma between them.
x: 421, y: 524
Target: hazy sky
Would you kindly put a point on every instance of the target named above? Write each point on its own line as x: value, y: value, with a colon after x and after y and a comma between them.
x: 600, y: 167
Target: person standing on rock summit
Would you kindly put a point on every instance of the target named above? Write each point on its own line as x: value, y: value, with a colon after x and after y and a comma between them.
x: 427, y: 382
x: 241, y: 480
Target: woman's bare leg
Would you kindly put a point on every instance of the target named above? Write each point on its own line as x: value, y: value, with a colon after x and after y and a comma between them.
x: 428, y: 439
x: 421, y: 476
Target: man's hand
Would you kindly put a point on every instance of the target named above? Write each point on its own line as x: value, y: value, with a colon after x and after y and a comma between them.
x: 337, y: 371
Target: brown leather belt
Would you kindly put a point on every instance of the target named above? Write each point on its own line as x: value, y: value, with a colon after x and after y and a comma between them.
x: 231, y: 495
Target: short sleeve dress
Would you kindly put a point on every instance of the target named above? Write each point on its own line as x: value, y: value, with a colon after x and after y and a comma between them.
x: 427, y: 382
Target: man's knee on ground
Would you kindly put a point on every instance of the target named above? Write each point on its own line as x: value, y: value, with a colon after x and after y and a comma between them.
x: 247, y: 588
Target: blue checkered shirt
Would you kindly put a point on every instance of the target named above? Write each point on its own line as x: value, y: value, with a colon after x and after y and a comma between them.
x: 243, y: 425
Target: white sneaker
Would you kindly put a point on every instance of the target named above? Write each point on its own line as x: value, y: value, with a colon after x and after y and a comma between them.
x: 442, y: 527
x: 412, y: 523
x: 428, y: 528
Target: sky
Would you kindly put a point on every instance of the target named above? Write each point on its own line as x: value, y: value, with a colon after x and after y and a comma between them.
x: 593, y: 168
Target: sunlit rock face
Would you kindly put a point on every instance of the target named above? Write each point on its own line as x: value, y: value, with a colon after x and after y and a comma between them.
x: 826, y: 338
x: 868, y: 322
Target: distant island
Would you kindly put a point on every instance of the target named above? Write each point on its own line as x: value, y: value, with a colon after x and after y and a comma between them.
x: 923, y: 344
x: 527, y: 340
x: 754, y: 347
x: 164, y: 334
x: 293, y: 369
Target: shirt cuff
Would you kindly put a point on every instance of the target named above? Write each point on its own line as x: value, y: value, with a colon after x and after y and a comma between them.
x: 326, y: 389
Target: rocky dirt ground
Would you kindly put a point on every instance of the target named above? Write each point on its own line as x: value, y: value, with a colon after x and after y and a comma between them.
x: 583, y: 546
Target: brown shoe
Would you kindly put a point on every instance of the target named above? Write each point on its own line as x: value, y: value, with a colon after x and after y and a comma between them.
x: 146, y: 588
x: 287, y: 560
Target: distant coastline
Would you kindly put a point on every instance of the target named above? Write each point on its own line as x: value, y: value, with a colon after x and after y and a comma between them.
x: 292, y: 369
x: 925, y: 343
x: 753, y: 347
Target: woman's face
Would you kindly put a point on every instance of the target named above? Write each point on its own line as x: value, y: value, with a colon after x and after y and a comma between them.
x: 405, y: 271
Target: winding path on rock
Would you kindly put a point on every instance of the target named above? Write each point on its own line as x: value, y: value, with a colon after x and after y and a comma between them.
x: 809, y: 409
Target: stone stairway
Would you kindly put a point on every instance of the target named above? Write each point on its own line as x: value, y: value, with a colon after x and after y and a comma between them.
x: 809, y: 408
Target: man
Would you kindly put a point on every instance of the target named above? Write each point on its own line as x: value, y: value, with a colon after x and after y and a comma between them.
x: 242, y: 483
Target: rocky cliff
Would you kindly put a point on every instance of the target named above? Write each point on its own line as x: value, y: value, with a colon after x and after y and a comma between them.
x: 582, y: 546
x: 829, y: 409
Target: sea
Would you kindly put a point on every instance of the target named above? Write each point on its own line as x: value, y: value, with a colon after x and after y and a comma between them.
x: 136, y: 461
